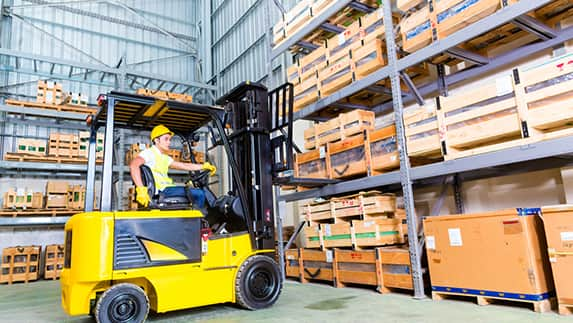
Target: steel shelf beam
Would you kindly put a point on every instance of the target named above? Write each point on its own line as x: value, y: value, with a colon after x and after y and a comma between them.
x: 43, y: 112
x: 491, y: 22
x: 34, y: 221
x: 75, y: 168
x: 314, y: 23
x: 517, y: 154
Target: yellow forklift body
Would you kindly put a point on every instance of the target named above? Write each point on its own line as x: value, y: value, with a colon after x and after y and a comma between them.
x: 170, y: 277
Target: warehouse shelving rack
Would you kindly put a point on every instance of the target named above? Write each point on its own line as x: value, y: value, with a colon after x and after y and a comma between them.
x: 553, y: 153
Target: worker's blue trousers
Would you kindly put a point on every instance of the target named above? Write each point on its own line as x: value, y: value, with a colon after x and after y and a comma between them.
x: 195, y: 195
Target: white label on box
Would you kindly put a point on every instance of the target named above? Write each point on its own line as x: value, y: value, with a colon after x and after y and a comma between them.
x: 503, y: 85
x: 368, y: 223
x: 20, y: 192
x: 329, y: 256
x: 341, y: 39
x: 322, y: 152
x: 327, y: 230
x: 430, y: 243
x: 566, y: 236
x: 455, y: 237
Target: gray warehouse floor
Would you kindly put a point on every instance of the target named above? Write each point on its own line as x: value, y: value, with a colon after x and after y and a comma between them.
x: 40, y: 302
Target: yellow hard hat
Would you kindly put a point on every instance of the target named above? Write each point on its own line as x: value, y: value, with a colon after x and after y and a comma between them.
x: 159, y: 131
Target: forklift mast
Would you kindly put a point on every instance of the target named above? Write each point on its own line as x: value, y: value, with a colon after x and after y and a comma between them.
x: 249, y: 119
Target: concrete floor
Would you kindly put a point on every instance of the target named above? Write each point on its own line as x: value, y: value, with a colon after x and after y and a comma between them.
x: 40, y: 302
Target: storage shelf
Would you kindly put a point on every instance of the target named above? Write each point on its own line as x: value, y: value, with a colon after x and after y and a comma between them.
x: 491, y: 22
x: 530, y: 152
x: 34, y: 221
x: 74, y: 168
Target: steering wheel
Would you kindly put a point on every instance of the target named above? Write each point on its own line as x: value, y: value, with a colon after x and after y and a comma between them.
x: 200, y: 178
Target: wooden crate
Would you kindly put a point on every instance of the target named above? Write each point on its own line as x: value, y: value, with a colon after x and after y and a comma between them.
x: 20, y: 264
x: 312, y: 236
x: 317, y: 211
x: 292, y: 20
x: 292, y: 263
x: 366, y: 205
x: 396, y: 268
x: 356, y: 267
x: 422, y: 129
x: 63, y: 145
x: 57, y: 187
x: 337, y: 73
x: 53, y: 261
x: 443, y: 18
x: 377, y: 232
x: 76, y: 197
x: 59, y: 201
x: 306, y: 92
x: 349, y: 157
x: 131, y: 202
x: 84, y: 138
x: 316, y: 265
x: 312, y: 164
x: 31, y: 146
x: 9, y: 199
x: 336, y: 234
x: 383, y: 150
x: 341, y: 127
x: 49, y: 92
x: 133, y: 151
x: 406, y: 5
x: 480, y: 116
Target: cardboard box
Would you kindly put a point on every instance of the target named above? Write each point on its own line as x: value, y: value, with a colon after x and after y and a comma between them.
x: 558, y: 222
x: 9, y: 199
x: 57, y: 201
x: 57, y: 187
x: 498, y: 254
x: 31, y: 146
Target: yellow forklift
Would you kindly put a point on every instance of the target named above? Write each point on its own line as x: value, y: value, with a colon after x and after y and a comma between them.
x: 171, y: 256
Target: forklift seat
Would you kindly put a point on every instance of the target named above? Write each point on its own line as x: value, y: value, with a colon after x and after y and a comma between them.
x: 158, y: 199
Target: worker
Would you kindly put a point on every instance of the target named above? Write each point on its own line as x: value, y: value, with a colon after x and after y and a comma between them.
x: 159, y: 162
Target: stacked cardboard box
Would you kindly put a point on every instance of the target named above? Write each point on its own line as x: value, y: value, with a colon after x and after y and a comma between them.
x: 23, y: 199
x: 84, y: 139
x: 57, y: 194
x: 31, y: 146
x: 49, y: 93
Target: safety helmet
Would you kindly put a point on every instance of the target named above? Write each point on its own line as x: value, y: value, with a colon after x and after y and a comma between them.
x: 159, y: 131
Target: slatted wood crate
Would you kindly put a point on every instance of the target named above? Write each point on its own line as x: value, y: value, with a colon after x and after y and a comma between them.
x: 313, y: 235
x: 377, y: 232
x: 57, y: 194
x: 133, y: 151
x: 54, y: 261
x: 292, y: 264
x: 316, y: 265
x: 442, y: 18
x: 84, y: 138
x: 131, y: 202
x: 312, y: 164
x: 63, y: 145
x: 356, y: 267
x: 20, y: 264
x: 383, y: 150
x: 31, y: 146
x: 366, y: 205
x: 349, y: 157
x: 396, y: 268
x: 422, y: 129
x: 49, y: 93
x: 76, y: 197
x: 341, y: 127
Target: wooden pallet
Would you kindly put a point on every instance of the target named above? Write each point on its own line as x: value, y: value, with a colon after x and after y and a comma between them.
x: 62, y: 108
x: 46, y: 159
x: 20, y: 264
x: 63, y: 145
x: 53, y: 261
x: 539, y: 306
x: 43, y: 212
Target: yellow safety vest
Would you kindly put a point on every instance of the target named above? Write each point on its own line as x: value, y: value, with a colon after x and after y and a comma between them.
x: 160, y: 170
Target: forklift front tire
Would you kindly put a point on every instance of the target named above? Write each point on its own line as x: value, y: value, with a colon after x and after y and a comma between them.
x: 258, y: 283
x: 122, y: 303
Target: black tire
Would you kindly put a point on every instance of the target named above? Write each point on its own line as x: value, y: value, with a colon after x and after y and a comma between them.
x: 122, y: 303
x: 258, y: 283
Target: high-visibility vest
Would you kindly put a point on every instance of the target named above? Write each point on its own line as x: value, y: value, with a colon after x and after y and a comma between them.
x: 160, y: 170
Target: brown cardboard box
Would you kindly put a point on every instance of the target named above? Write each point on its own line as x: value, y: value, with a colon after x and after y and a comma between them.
x: 57, y: 200
x: 558, y: 222
x: 9, y: 199
x: 498, y: 254
x: 58, y: 187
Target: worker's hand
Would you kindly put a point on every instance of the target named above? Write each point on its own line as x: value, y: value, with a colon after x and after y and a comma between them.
x: 142, y: 196
x: 211, y: 168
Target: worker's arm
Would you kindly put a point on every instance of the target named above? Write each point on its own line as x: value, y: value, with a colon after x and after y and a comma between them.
x: 135, y: 171
x: 185, y: 166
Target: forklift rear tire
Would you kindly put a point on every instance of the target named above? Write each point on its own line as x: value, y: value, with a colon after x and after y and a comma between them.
x: 258, y: 283
x: 122, y: 303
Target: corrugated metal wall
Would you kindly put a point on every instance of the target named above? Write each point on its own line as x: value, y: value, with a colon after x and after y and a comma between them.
x: 102, y: 33
x: 239, y: 46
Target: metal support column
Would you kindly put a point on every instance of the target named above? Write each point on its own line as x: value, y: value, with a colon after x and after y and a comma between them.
x: 280, y: 207
x: 90, y: 180
x: 458, y: 198
x: 107, y: 175
x: 121, y: 171
x: 404, y: 161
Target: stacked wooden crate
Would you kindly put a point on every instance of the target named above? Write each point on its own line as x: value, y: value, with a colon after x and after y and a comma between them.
x: 131, y: 201
x: 20, y: 264
x: 31, y: 147
x: 76, y: 197
x: 84, y: 138
x: 340, y: 60
x: 22, y: 199
x: 530, y: 105
x: 359, y: 221
x: 133, y: 151
x: 53, y: 261
x: 63, y: 145
x: 56, y: 194
x: 165, y: 95
x: 50, y: 93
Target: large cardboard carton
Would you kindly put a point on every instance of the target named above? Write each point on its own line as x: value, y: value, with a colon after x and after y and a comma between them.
x: 558, y: 222
x: 499, y: 254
